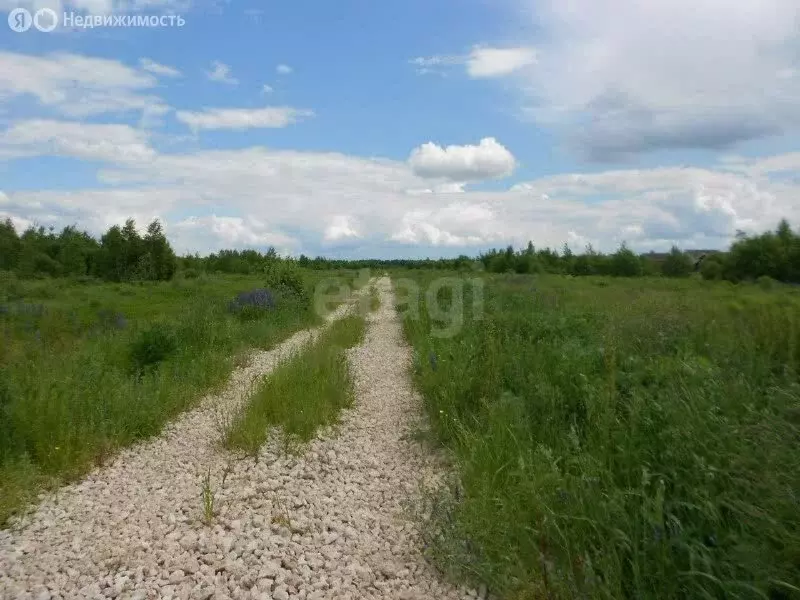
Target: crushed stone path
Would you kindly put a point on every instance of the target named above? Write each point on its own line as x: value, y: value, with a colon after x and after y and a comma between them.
x: 326, y: 523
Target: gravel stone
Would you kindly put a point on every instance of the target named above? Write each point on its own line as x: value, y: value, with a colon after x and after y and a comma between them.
x: 328, y: 522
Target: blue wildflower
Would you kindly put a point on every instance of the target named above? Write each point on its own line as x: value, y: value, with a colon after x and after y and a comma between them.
x: 259, y: 299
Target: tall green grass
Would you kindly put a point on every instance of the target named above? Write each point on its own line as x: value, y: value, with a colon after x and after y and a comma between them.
x: 86, y: 368
x: 618, y: 439
x: 302, y: 394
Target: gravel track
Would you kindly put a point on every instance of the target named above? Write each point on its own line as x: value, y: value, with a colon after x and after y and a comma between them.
x: 327, y: 523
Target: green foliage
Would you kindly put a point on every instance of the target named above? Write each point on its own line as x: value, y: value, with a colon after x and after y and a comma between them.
x: 286, y: 278
x: 776, y: 255
x: 638, y: 439
x: 121, y: 254
x: 10, y: 246
x: 677, y: 264
x: 152, y: 346
x: 625, y: 263
x: 712, y: 268
x: 765, y: 282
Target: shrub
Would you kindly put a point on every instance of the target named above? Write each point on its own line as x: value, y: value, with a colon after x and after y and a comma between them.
x: 765, y: 282
x: 624, y: 263
x: 152, y: 346
x: 677, y: 264
x: 711, y: 269
x: 287, y: 279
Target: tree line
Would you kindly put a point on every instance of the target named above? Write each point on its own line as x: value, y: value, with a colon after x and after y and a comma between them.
x: 121, y: 254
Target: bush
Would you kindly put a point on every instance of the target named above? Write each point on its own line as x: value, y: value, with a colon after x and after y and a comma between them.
x: 624, y: 263
x: 287, y: 279
x: 677, y: 264
x: 765, y: 282
x: 711, y: 269
x: 152, y: 346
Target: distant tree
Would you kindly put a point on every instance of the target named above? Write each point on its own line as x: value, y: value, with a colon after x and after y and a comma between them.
x: 10, y: 246
x: 625, y: 263
x: 677, y: 264
x: 158, y: 256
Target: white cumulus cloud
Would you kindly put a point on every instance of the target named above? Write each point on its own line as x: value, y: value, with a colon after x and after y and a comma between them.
x: 488, y: 160
x: 341, y: 227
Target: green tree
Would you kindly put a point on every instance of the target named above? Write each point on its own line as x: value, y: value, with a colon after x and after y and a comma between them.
x: 677, y: 264
x: 625, y: 263
x: 158, y: 259
x: 10, y: 246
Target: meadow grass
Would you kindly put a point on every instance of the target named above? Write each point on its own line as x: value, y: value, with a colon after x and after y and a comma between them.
x: 616, y: 438
x: 303, y: 393
x: 86, y: 368
x: 374, y: 299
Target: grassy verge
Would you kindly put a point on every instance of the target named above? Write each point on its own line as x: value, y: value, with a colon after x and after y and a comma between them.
x: 86, y: 368
x: 302, y: 394
x: 616, y: 438
x: 374, y: 299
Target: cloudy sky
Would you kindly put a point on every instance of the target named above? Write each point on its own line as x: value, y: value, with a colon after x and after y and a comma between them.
x: 406, y: 128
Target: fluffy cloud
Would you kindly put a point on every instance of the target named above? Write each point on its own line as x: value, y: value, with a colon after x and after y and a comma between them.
x: 637, y: 76
x: 489, y: 159
x: 220, y: 233
x: 242, y: 118
x: 283, y: 69
x: 221, y: 73
x: 340, y: 228
x: 456, y: 224
x: 78, y: 86
x: 108, y: 143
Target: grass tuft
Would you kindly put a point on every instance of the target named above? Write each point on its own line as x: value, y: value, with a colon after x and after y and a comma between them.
x: 302, y: 394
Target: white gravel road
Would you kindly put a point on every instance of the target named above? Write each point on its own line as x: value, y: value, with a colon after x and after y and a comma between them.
x: 328, y: 523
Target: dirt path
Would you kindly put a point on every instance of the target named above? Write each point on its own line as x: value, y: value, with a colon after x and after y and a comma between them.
x: 326, y: 524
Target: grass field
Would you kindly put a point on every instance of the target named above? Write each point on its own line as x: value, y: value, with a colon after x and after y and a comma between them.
x: 86, y: 368
x: 615, y: 438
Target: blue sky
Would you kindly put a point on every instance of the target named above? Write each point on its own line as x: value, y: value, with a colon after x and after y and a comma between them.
x: 407, y: 128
